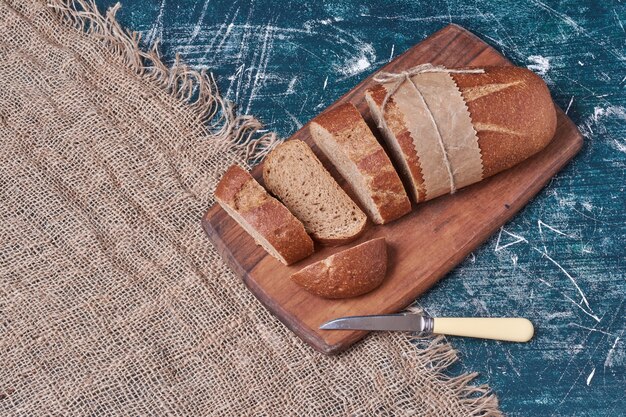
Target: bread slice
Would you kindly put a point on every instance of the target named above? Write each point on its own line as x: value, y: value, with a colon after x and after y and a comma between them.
x: 269, y: 222
x: 294, y: 174
x: 349, y: 273
x: 510, y: 109
x: 347, y: 141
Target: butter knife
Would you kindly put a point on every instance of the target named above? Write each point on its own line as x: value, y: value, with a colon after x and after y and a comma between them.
x: 510, y: 329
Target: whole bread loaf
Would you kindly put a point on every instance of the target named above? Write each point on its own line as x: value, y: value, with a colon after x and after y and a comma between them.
x: 293, y: 173
x: 510, y: 109
x: 269, y: 222
x: 347, y: 141
x: 349, y: 273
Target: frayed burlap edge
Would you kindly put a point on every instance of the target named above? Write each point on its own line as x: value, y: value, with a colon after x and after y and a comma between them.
x: 441, y: 355
x: 242, y: 134
x: 196, y: 89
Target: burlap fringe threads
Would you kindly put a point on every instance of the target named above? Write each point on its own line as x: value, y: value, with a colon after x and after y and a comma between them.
x: 195, y: 89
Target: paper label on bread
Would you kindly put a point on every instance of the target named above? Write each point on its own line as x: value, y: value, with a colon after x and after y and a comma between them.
x: 445, y: 142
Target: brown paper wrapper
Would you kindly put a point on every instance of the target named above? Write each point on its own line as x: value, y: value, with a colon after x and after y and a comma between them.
x: 442, y: 129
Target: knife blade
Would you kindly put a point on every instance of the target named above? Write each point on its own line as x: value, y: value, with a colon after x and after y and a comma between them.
x: 404, y: 322
x: 511, y: 329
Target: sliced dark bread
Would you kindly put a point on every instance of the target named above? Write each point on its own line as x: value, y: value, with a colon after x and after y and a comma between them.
x: 293, y: 173
x: 269, y: 222
x: 348, y: 142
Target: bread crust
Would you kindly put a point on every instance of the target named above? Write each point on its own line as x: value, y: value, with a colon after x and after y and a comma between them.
x: 511, y: 110
x: 394, y: 119
x: 341, y: 241
x: 352, y: 135
x: 349, y: 273
x: 265, y: 214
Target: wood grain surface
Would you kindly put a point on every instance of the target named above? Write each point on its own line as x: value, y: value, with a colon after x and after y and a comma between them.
x: 424, y: 245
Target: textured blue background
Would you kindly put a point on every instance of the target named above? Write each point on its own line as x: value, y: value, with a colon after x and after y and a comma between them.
x: 562, y: 261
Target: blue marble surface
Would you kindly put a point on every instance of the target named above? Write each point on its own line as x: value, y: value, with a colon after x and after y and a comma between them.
x: 562, y: 261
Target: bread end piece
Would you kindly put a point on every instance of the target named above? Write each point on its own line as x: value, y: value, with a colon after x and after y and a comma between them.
x: 349, y: 273
x: 348, y: 142
x: 512, y: 112
x: 266, y: 219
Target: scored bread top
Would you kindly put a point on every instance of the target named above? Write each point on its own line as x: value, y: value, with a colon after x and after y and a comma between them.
x: 268, y: 221
x: 347, y: 141
x: 349, y: 273
x: 511, y: 111
x: 293, y: 173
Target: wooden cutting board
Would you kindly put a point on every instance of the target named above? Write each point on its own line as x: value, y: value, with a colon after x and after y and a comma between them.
x: 424, y: 245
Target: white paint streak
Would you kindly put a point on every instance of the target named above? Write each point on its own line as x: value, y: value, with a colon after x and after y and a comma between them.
x: 540, y: 223
x: 355, y: 66
x: 393, y: 47
x: 620, y: 146
x: 569, y: 105
x: 518, y: 238
x: 610, y: 356
x: 331, y: 20
x: 570, y: 299
x: 509, y: 359
x: 291, y: 87
x: 592, y: 330
x: 571, y: 278
x: 594, y: 121
x: 597, y: 113
x: 439, y: 18
x: 590, y: 377
x: 229, y: 29
x: 361, y: 61
x: 156, y: 31
x: 619, y: 21
x: 541, y: 64
x: 198, y: 26
x: 558, y: 314
x: 294, y: 119
x: 325, y: 83
x: 264, y: 58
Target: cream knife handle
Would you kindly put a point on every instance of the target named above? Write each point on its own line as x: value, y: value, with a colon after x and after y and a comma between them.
x: 508, y: 329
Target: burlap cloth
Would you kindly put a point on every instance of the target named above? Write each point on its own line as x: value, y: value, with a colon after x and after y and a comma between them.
x: 112, y: 300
